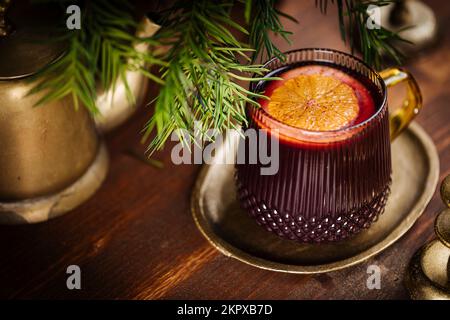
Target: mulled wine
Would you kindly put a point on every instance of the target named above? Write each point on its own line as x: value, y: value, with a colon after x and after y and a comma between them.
x: 331, y: 121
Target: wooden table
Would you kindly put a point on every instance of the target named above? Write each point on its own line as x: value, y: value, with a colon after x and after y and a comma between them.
x: 135, y: 239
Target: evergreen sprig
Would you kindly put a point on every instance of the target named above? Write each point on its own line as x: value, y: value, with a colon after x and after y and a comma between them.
x: 69, y: 76
x: 373, y: 43
x: 103, y: 49
x: 203, y: 73
x: 204, y: 69
x: 264, y: 19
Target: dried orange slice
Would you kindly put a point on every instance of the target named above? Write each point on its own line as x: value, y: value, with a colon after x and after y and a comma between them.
x: 314, y: 102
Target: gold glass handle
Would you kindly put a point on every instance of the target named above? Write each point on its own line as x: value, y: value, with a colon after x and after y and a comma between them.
x: 400, y: 118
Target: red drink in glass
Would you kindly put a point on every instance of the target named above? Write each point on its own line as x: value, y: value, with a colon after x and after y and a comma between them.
x: 334, y: 153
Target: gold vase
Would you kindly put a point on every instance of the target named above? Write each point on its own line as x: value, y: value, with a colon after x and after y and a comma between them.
x: 51, y: 159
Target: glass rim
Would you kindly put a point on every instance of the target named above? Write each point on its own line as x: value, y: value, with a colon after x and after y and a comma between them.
x: 321, y: 135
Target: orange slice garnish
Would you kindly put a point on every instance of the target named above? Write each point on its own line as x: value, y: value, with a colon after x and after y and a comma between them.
x: 314, y: 102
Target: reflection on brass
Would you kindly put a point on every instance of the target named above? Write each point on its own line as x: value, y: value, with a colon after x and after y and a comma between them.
x: 428, y: 275
x: 50, y: 206
x: 442, y: 227
x: 43, y: 149
x: 229, y: 229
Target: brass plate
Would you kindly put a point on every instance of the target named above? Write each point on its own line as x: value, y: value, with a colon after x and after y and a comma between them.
x: 229, y: 229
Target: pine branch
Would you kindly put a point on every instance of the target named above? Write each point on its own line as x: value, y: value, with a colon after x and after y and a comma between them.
x: 264, y: 19
x: 102, y: 50
x: 373, y: 43
x: 202, y: 73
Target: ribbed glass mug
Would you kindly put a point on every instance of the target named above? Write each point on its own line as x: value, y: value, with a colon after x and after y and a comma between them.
x: 330, y: 184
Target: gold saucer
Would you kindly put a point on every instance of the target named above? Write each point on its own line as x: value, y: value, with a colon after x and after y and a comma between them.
x: 229, y: 229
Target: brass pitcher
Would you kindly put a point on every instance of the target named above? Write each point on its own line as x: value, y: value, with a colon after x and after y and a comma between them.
x: 50, y: 156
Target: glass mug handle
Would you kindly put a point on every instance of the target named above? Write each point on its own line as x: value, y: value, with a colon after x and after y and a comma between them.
x: 400, y: 118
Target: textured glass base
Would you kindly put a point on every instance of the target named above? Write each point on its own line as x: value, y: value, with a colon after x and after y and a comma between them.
x: 329, y: 184
x: 313, y: 230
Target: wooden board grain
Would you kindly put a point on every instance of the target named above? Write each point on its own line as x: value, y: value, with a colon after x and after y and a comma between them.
x: 135, y: 239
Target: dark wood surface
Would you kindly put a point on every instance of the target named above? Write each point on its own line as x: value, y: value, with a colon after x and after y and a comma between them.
x: 135, y: 239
